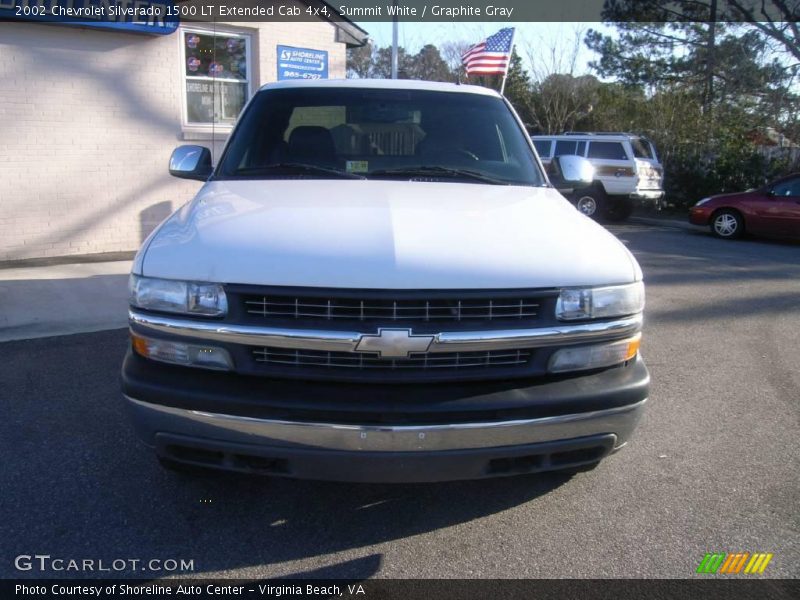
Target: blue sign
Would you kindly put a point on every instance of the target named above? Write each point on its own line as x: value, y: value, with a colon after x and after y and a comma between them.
x: 159, y: 17
x: 302, y: 63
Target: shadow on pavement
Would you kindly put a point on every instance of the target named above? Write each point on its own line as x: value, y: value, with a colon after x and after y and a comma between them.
x: 80, y: 485
x: 683, y: 269
x: 697, y: 257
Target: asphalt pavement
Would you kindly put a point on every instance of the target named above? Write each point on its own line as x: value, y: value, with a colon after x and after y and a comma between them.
x: 713, y: 466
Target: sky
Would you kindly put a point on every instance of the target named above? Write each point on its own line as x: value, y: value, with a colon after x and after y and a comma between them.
x: 534, y: 41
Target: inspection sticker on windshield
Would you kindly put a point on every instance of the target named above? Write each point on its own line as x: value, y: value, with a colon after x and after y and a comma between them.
x: 357, y: 166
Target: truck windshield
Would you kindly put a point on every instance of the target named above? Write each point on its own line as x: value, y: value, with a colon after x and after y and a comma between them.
x: 379, y: 134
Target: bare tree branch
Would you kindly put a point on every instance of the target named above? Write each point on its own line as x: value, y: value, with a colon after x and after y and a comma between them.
x: 771, y: 28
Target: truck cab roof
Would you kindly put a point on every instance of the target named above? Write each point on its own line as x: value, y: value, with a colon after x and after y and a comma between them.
x: 387, y: 84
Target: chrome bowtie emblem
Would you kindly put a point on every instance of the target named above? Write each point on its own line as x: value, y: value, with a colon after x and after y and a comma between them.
x: 394, y: 343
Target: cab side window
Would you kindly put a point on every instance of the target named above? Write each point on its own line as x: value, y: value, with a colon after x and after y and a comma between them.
x: 565, y: 147
x: 607, y: 151
x: 543, y: 147
x: 790, y: 187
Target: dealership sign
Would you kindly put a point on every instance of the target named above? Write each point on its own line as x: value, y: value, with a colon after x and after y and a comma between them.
x: 301, y: 63
x: 137, y: 16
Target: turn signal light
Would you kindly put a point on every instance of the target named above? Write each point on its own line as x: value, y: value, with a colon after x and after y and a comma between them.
x: 596, y: 356
x: 181, y: 353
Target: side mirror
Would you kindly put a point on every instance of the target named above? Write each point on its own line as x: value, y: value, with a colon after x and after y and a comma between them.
x: 572, y: 172
x: 191, y: 162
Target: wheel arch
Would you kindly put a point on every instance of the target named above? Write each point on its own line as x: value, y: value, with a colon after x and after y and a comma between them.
x: 598, y: 185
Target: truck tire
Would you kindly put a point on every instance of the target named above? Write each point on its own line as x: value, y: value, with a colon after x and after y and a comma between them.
x: 591, y: 202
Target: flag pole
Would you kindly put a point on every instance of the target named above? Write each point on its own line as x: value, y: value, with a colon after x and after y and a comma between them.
x: 394, y: 41
x: 508, y: 66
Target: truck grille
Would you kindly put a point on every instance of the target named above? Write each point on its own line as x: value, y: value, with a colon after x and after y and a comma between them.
x: 422, y: 361
x: 365, y: 312
x: 372, y: 309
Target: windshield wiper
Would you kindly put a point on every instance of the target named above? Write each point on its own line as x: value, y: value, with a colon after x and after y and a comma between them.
x: 422, y: 171
x: 294, y: 168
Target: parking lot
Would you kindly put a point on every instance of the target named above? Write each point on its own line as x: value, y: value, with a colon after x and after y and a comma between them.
x: 713, y: 466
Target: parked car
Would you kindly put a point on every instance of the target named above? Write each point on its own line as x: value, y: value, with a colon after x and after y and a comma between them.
x: 364, y: 289
x: 772, y: 210
x: 627, y: 171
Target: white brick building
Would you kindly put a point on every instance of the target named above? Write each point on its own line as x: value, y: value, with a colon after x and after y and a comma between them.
x: 89, y: 118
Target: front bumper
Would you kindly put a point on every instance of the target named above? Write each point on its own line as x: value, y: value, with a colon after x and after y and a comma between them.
x: 699, y: 215
x: 370, y: 432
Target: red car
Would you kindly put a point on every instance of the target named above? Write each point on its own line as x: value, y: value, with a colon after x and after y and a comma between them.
x: 773, y: 210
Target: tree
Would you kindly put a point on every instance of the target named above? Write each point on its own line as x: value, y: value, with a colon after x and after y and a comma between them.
x: 429, y: 65
x: 558, y: 98
x: 776, y: 19
x: 371, y: 62
x: 695, y: 44
x: 382, y: 63
x: 518, y: 88
x: 360, y: 61
x: 451, y: 54
x: 699, y: 84
x: 554, y: 56
x: 561, y: 101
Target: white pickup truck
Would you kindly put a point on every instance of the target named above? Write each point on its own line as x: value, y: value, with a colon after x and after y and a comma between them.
x: 378, y: 282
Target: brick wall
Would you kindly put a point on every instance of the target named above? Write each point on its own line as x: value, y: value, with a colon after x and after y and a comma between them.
x: 88, y: 119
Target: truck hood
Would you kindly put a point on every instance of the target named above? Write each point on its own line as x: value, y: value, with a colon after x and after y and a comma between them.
x: 384, y: 235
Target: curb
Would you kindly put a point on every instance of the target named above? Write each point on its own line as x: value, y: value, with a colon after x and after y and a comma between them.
x: 75, y: 259
x: 63, y: 299
x: 672, y: 223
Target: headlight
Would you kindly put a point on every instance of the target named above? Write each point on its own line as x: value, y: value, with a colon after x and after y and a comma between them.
x: 597, y: 303
x: 169, y: 295
x: 595, y: 356
x: 703, y: 201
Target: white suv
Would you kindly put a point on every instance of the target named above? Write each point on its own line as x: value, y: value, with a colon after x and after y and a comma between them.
x: 366, y: 289
x: 626, y: 170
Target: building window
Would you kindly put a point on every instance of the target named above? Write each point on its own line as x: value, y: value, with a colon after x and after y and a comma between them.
x: 217, y: 75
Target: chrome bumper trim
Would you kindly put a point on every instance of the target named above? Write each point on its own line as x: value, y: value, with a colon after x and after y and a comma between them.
x: 152, y: 419
x: 647, y: 195
x: 346, y: 341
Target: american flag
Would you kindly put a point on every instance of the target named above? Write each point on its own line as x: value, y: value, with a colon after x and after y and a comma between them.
x: 490, y: 56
